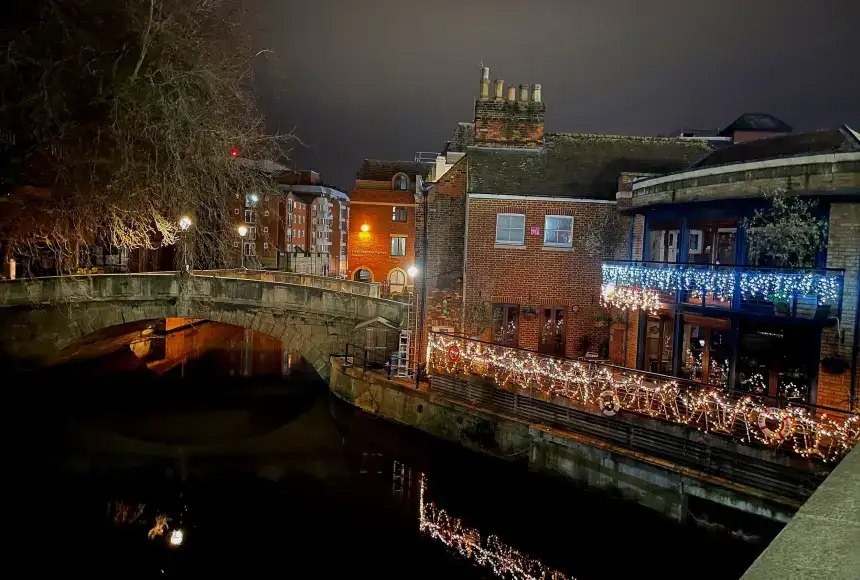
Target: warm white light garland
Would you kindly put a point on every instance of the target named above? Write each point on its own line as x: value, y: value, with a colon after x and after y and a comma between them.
x: 503, y: 560
x: 703, y: 407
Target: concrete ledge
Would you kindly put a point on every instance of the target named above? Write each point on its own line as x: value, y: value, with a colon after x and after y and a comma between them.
x: 822, y: 541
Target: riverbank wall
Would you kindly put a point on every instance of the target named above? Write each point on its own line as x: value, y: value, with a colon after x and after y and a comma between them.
x: 655, y: 483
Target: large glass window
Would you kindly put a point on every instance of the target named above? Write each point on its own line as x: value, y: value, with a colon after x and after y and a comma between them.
x: 552, y: 332
x: 558, y: 231
x: 506, y: 323
x: 510, y: 229
x: 706, y: 350
x: 777, y: 361
x: 712, y: 243
x: 664, y: 241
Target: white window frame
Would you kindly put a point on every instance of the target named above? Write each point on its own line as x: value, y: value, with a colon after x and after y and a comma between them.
x: 509, y: 229
x: 250, y: 216
x: 265, y: 229
x: 569, y: 243
x: 405, y: 241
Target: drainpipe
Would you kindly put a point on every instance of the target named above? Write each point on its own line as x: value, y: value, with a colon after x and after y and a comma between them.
x: 852, y: 393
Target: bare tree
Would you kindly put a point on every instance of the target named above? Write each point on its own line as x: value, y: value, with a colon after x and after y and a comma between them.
x: 126, y: 115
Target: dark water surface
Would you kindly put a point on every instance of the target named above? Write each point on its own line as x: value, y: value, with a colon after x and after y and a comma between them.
x: 267, y: 476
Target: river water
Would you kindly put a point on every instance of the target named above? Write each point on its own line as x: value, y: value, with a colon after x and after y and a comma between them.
x: 264, y: 474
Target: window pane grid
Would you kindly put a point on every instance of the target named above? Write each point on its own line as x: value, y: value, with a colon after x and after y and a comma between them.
x: 558, y: 231
x: 510, y: 229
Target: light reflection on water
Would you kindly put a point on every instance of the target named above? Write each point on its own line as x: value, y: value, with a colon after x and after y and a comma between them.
x: 492, y: 553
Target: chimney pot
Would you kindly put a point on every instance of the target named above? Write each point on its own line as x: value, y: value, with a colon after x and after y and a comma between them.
x: 500, y: 85
x: 485, y: 83
x: 512, y: 93
x: 536, y: 93
x: 524, y: 92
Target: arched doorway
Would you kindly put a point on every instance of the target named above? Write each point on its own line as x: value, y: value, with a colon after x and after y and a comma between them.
x: 397, y: 281
x: 363, y: 275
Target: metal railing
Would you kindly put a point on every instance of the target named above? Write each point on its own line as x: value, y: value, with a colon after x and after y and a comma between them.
x: 377, y: 358
x: 812, y: 293
x: 807, y: 431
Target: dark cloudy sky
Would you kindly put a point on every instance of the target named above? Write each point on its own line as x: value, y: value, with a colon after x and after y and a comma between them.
x: 386, y: 78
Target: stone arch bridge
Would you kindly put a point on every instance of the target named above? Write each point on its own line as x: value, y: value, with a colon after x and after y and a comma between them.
x: 313, y: 315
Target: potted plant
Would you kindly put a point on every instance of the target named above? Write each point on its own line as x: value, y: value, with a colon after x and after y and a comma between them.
x: 834, y: 364
x: 787, y: 235
x: 529, y: 312
x: 584, y: 344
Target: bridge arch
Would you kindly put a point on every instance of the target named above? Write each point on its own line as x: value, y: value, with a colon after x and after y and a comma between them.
x: 42, y: 317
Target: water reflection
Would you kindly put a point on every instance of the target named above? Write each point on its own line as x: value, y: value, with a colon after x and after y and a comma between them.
x: 503, y: 560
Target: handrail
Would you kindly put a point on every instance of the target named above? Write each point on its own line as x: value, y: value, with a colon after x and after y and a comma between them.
x: 656, y: 376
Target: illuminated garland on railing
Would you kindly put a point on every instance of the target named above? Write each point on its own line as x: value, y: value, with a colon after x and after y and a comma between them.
x: 503, y: 560
x: 721, y: 281
x: 610, y: 390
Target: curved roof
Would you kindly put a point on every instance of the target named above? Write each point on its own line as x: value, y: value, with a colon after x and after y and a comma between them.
x: 838, y: 140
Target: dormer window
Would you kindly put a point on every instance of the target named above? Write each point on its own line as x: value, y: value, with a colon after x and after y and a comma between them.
x: 401, y: 182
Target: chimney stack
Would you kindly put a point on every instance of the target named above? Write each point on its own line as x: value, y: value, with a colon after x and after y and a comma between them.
x: 500, y: 85
x: 536, y: 93
x: 512, y: 93
x: 524, y: 93
x: 485, y: 83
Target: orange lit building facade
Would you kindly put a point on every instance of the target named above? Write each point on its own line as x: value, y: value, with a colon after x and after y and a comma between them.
x: 382, y: 222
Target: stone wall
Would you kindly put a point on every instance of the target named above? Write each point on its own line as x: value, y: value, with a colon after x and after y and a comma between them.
x: 843, y: 251
x: 812, y: 179
x: 654, y: 483
x: 42, y: 317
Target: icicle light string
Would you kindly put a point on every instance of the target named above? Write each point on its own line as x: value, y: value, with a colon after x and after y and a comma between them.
x: 719, y: 281
x: 609, y: 390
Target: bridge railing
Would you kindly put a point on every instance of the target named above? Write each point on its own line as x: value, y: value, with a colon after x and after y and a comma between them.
x: 323, y: 282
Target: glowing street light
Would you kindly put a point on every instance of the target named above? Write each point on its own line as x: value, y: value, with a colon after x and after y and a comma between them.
x: 412, y: 271
x: 185, y: 223
x: 365, y: 228
x: 243, y: 231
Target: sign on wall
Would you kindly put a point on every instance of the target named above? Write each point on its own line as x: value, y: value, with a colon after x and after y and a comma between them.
x: 534, y: 231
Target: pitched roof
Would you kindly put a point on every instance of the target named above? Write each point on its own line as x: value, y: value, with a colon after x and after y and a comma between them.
x: 790, y: 145
x: 382, y: 170
x: 463, y: 137
x: 577, y: 165
x: 756, y: 122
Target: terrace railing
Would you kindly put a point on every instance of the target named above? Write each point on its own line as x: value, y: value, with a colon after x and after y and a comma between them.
x: 807, y: 431
x: 806, y: 293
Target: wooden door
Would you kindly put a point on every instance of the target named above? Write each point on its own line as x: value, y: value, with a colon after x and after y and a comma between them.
x: 553, y: 331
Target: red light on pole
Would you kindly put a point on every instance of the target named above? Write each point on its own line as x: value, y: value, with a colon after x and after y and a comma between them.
x: 234, y: 152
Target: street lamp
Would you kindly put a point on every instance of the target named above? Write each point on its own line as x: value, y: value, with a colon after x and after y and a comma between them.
x: 412, y: 271
x: 243, y: 231
x: 185, y: 223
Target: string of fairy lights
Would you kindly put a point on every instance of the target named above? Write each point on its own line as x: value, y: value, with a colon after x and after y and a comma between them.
x: 610, y: 390
x: 637, y: 286
x: 492, y: 553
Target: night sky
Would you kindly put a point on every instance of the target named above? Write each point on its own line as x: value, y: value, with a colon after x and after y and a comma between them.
x: 386, y: 78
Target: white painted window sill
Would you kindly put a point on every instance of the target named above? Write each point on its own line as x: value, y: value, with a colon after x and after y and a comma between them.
x: 509, y: 246
x: 556, y: 249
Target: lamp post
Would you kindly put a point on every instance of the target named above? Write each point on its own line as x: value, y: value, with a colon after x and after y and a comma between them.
x: 243, y: 231
x: 184, y: 224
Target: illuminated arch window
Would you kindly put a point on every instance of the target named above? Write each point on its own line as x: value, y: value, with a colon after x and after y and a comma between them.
x: 401, y: 182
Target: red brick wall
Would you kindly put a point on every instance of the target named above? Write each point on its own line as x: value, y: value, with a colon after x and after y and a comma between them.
x: 372, y: 249
x: 509, y: 124
x: 843, y: 251
x: 532, y: 275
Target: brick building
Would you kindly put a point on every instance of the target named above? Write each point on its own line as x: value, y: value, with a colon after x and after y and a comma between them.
x: 506, y: 224
x: 723, y: 317
x: 296, y: 230
x: 382, y: 222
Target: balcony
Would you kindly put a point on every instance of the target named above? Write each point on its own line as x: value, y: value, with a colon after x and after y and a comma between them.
x: 802, y: 293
